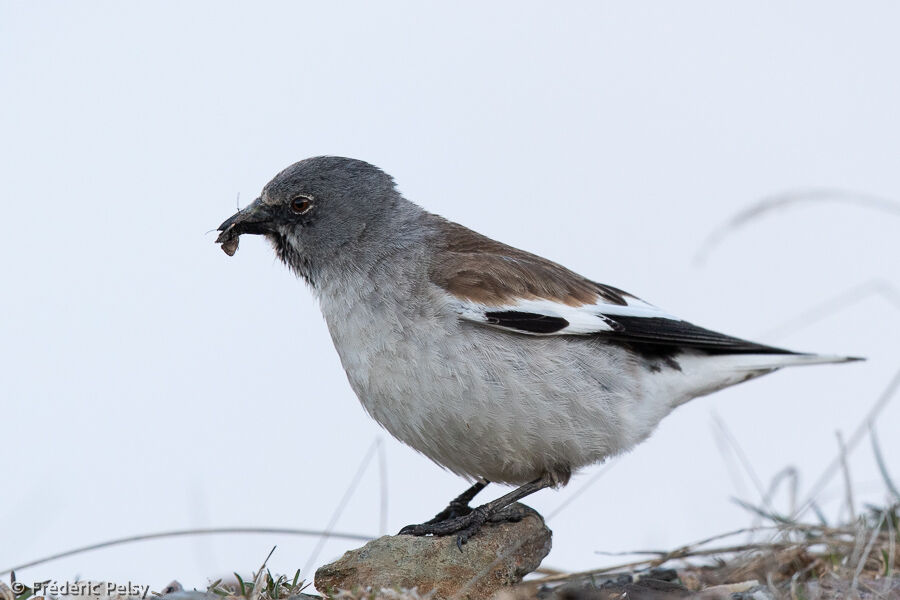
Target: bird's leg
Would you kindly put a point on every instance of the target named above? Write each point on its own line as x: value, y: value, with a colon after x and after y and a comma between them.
x: 459, y: 506
x: 467, y: 525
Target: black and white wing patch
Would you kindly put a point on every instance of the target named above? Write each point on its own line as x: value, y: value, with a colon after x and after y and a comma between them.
x: 540, y: 316
x: 635, y: 323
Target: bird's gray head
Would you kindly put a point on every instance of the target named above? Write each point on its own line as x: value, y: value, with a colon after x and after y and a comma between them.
x: 317, y: 210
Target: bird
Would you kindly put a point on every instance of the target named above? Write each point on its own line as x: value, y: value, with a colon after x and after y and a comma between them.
x: 495, y: 363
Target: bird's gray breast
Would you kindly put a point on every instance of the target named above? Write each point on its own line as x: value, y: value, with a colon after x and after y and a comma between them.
x: 395, y: 347
x: 480, y: 402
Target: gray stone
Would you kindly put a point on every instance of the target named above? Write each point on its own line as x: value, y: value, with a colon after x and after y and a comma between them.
x: 498, y: 555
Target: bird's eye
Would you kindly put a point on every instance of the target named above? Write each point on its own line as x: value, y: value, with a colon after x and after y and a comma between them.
x: 301, y: 204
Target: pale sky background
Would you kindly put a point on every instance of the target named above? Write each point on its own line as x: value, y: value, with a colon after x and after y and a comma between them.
x: 148, y: 382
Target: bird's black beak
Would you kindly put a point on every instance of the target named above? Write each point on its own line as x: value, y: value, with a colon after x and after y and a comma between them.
x: 255, y: 219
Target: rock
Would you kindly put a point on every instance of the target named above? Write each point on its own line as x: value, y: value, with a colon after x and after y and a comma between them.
x: 498, y: 555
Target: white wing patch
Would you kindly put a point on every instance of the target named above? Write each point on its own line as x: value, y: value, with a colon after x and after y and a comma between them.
x: 542, y: 316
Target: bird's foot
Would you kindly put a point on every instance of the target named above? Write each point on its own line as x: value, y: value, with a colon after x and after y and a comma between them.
x: 458, y: 507
x: 454, y: 509
x: 466, y: 525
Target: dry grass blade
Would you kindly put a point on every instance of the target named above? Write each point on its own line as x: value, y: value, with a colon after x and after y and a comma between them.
x: 799, y: 553
x: 6, y: 593
x: 878, y: 288
x: 594, y: 479
x: 382, y: 478
x: 649, y: 562
x: 891, y: 555
x: 738, y: 451
x: 883, y: 399
x: 780, y: 202
x: 760, y: 512
x: 183, y: 533
x: 845, y: 469
x: 882, y: 466
x: 339, y: 509
x: 260, y: 578
x: 790, y: 475
x: 876, y: 531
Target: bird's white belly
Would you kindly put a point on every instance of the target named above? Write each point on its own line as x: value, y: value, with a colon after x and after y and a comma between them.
x: 491, y: 404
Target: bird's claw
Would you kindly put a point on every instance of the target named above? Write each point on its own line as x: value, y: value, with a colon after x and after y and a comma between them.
x: 464, y: 526
x: 463, y: 536
x: 453, y: 510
